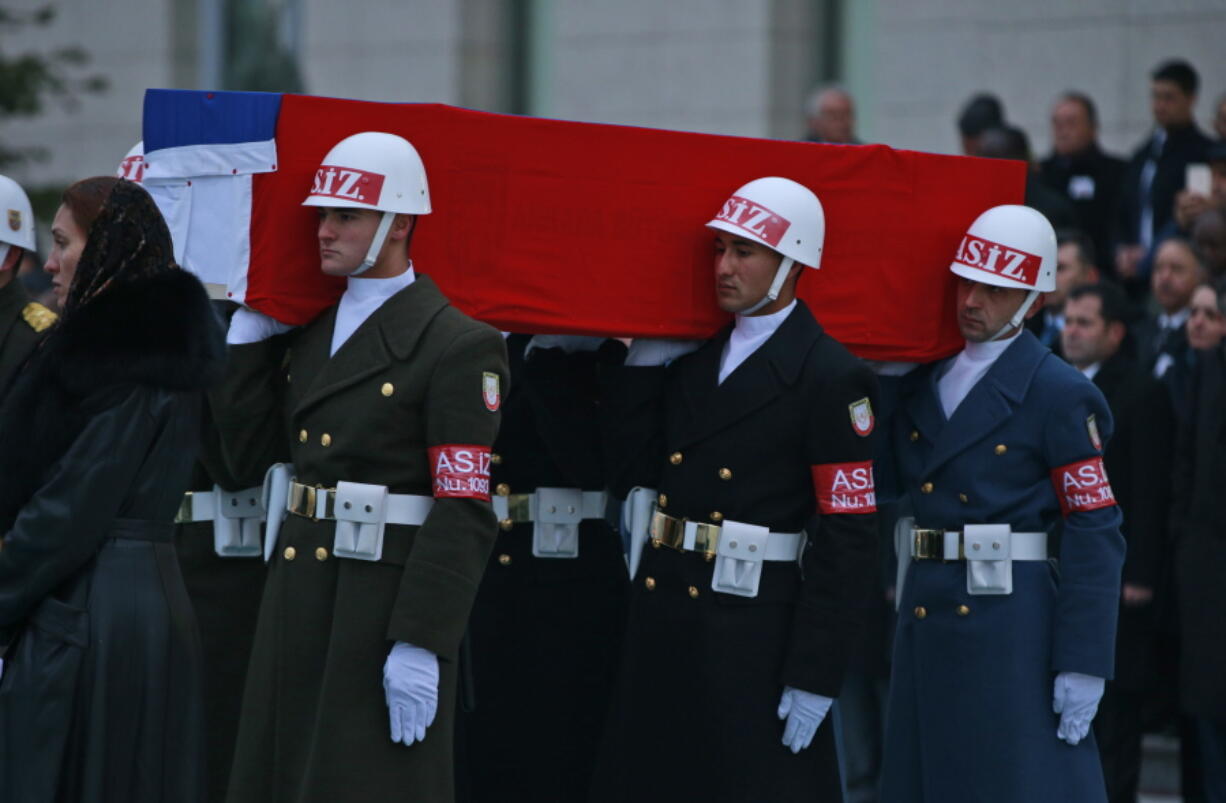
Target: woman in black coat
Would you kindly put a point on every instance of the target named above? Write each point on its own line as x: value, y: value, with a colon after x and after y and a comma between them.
x: 100, y: 696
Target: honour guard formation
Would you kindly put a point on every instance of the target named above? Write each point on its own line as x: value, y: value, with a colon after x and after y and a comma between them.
x: 414, y: 454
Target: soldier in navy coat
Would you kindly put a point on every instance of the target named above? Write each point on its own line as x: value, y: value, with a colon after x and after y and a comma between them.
x: 1005, y: 636
x: 738, y: 634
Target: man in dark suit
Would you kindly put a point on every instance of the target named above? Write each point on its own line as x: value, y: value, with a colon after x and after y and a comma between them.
x: 1162, y: 339
x: 1074, y: 267
x: 1079, y: 169
x: 1011, y: 142
x: 1138, y: 460
x: 1158, y: 167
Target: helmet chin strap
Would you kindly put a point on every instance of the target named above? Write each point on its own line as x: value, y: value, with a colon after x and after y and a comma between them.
x: 1018, y: 316
x: 773, y: 293
x: 376, y: 245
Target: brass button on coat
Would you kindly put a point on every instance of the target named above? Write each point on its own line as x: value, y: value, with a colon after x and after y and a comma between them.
x: 963, y: 498
x: 504, y: 559
x: 1001, y: 448
x: 675, y: 458
x: 506, y: 524
x: 663, y: 501
x: 920, y: 612
x: 503, y: 489
x: 302, y: 436
x: 693, y: 592
x: 321, y: 554
x: 963, y: 610
x: 725, y: 473
x: 914, y: 435
x: 388, y: 389
x: 496, y: 458
x: 325, y: 440
x: 926, y: 488
x: 716, y: 516
x: 650, y: 583
x: 290, y: 553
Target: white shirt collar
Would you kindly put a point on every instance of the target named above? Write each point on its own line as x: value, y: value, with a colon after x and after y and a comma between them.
x: 1091, y: 371
x: 986, y: 352
x: 1175, y: 319
x: 361, y: 298
x: 748, y: 335
x: 965, y: 370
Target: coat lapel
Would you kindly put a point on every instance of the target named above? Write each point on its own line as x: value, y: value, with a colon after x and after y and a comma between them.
x: 755, y: 383
x: 390, y: 332
x: 12, y: 299
x: 924, y: 406
x: 991, y: 401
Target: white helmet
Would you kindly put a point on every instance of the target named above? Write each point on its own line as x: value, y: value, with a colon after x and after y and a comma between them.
x: 133, y: 165
x: 1010, y: 246
x: 17, y: 226
x: 372, y: 170
x: 780, y: 214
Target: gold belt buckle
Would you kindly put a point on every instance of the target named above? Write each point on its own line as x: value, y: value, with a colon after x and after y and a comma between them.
x: 667, y: 531
x: 184, y: 514
x: 670, y: 532
x: 929, y: 544
x: 706, y: 539
x: 519, y: 508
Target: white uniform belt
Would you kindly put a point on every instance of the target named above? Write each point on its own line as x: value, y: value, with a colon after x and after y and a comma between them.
x: 202, y: 505
x: 320, y: 504
x: 519, y: 508
x: 694, y: 536
x: 950, y: 545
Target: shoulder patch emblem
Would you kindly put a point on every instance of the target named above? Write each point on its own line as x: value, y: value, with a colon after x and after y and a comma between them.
x: 491, y: 393
x: 862, y: 420
x: 1092, y: 429
x: 37, y: 316
x: 15, y: 219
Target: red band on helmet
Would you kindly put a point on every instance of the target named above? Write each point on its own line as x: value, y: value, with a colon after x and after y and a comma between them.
x: 845, y: 487
x: 460, y: 471
x: 132, y: 168
x: 998, y: 260
x: 1082, y: 486
x: 348, y: 184
x: 755, y: 219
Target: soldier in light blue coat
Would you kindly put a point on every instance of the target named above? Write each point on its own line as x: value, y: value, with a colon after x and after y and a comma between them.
x: 1010, y: 569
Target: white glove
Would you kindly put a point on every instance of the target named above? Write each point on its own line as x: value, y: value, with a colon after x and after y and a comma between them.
x: 1075, y: 699
x: 410, y: 682
x: 568, y: 343
x: 249, y: 326
x: 647, y: 351
x: 804, y: 712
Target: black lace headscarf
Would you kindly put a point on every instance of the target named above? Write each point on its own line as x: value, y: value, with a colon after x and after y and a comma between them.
x: 127, y: 242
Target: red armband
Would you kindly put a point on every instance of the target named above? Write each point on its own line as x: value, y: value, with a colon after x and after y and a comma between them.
x: 845, y: 487
x: 1082, y: 486
x: 460, y: 471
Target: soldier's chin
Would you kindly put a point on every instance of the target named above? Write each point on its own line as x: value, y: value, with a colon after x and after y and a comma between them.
x: 974, y: 332
x: 331, y: 267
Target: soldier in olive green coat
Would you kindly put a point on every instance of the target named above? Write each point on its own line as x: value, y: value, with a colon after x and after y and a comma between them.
x: 390, y: 403
x: 22, y: 322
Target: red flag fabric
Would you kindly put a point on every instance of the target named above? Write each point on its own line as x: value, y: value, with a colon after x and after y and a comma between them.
x: 548, y: 226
